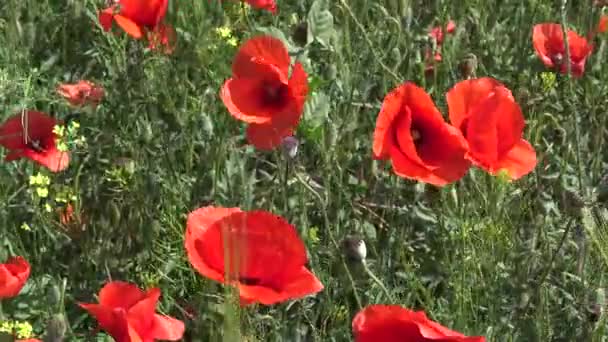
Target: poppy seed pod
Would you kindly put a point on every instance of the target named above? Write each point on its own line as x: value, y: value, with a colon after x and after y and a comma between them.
x: 602, y: 191
x: 354, y: 248
x: 468, y: 66
x: 290, y: 147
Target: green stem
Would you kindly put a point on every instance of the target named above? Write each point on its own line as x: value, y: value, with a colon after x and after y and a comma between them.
x: 377, y: 281
x: 1, y: 312
x: 332, y: 237
x: 575, y: 115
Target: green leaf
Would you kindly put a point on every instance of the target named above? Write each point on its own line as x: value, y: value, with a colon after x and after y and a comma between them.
x: 320, y: 24
x: 316, y: 109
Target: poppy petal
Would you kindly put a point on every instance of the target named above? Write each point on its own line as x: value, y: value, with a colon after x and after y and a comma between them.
x: 519, y: 161
x: 264, y: 49
x: 119, y: 294
x: 106, y: 17
x: 13, y: 276
x: 52, y: 159
x: 167, y: 328
x: 493, y: 128
x: 267, y: 137
x: 303, y: 283
x: 201, y: 243
x: 241, y: 97
x: 141, y: 314
x: 406, y: 168
x: 547, y: 39
x: 383, y: 134
x: 114, y: 322
x: 129, y: 26
x: 466, y: 95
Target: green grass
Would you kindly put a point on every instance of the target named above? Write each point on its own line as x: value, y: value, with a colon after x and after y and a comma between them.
x: 481, y: 256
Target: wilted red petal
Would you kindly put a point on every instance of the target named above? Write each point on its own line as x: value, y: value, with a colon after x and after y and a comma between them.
x: 81, y: 93
x: 261, y: 50
x: 205, y: 257
x: 163, y: 38
x: 13, y: 276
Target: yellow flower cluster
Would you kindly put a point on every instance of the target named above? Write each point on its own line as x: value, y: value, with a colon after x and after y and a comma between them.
x: 19, y: 329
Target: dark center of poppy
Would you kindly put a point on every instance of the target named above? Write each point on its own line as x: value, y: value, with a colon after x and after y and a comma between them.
x: 249, y: 281
x: 557, y: 58
x: 274, y: 94
x: 417, y: 135
x: 36, y: 145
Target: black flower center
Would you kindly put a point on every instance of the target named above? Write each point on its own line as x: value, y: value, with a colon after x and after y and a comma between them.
x: 274, y: 94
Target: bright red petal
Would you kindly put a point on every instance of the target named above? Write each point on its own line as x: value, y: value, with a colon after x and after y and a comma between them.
x: 167, y: 328
x: 269, y: 5
x: 383, y: 134
x: 114, y: 322
x: 119, y: 294
x: 267, y: 137
x: 129, y: 26
x: 106, y: 17
x: 519, y: 161
x: 13, y: 276
x: 141, y: 314
x: 547, y: 39
x: 261, y: 50
x: 466, y: 95
x: 243, y: 97
x: 204, y: 246
x: 52, y: 158
x: 602, y: 26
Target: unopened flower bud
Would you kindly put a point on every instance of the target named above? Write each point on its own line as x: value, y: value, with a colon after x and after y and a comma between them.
x: 290, y: 147
x: 468, y: 66
x: 354, y: 248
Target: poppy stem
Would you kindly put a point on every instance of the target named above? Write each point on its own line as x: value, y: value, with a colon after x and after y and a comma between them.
x: 369, y: 42
x: 576, y: 116
x: 332, y: 237
x: 377, y: 281
x: 1, y: 313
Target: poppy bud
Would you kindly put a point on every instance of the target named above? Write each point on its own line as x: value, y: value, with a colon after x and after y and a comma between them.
x: 596, y: 307
x: 468, y: 66
x: 354, y: 248
x: 56, y: 328
x: 602, y: 191
x: 290, y: 147
x: 572, y: 203
x: 300, y: 33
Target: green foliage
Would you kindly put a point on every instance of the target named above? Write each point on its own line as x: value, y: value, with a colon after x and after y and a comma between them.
x: 510, y: 261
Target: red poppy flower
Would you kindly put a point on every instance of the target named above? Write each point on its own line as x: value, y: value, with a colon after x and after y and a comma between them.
x: 392, y: 323
x: 81, y: 93
x: 269, y: 5
x: 267, y: 258
x: 603, y: 24
x: 437, y: 32
x: 550, y: 47
x: 137, y: 17
x: 262, y: 94
x: 128, y: 314
x: 29, y: 340
x: 492, y: 122
x: 30, y: 135
x: 13, y: 275
x: 411, y: 132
